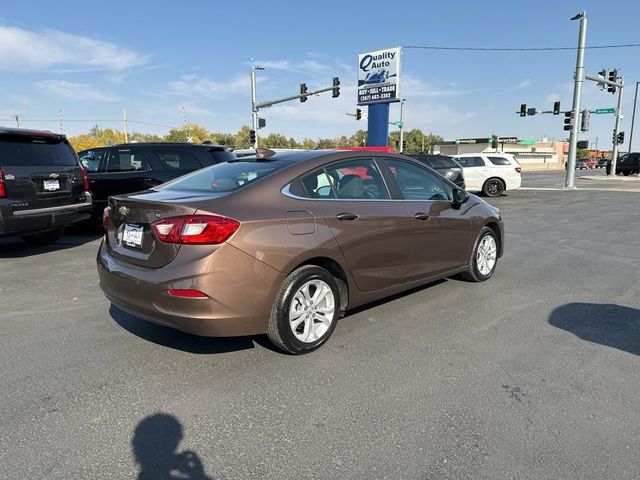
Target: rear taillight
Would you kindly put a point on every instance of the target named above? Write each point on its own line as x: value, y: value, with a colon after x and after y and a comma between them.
x: 195, y: 229
x: 187, y: 293
x: 105, y: 218
x: 518, y: 170
x: 3, y: 190
x: 85, y: 178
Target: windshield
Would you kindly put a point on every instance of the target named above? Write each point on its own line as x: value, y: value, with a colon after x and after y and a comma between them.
x: 224, y: 177
x: 30, y: 152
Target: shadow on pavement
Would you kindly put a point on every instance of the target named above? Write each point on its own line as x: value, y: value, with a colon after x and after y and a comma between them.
x: 155, y: 449
x: 171, y: 338
x: 14, y: 247
x: 607, y: 324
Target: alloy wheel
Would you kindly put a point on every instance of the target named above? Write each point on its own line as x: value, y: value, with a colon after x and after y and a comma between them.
x: 486, y: 255
x: 312, y: 311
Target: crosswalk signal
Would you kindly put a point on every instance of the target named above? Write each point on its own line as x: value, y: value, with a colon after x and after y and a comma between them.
x: 303, y: 90
x: 523, y: 110
x: 336, y: 87
x: 620, y: 138
x: 358, y: 114
x: 613, y: 77
x: 252, y: 136
x: 556, y: 108
x: 494, y: 142
x: 584, y: 121
x: 568, y: 120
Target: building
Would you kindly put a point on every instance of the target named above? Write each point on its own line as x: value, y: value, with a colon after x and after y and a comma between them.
x: 531, y: 155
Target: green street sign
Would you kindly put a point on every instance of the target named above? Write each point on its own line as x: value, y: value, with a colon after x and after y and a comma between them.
x: 399, y: 123
x: 527, y: 142
x: 605, y: 110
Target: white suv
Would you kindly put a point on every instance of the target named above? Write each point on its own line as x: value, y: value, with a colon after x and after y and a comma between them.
x: 490, y: 173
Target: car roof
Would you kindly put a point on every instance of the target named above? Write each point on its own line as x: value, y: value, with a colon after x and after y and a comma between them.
x: 165, y: 144
x: 31, y: 133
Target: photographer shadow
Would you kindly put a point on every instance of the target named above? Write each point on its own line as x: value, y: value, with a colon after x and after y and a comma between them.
x: 155, y: 449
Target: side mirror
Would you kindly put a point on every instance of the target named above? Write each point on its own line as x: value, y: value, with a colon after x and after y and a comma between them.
x: 459, y: 196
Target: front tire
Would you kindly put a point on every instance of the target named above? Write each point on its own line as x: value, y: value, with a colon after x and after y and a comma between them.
x: 484, y: 257
x: 493, y: 187
x: 305, y: 310
x: 44, y: 238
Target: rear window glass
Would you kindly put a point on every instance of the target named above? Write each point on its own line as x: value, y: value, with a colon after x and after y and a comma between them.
x: 177, y: 160
x: 471, y: 161
x: 220, y: 156
x: 499, y: 161
x: 448, y: 162
x: 21, y: 153
x: 224, y: 177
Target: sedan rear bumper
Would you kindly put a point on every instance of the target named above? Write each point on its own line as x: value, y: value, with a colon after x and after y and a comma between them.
x: 237, y: 304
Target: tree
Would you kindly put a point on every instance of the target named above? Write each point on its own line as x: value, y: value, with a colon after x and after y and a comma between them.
x: 582, y: 153
x: 188, y: 133
x: 309, y: 144
x: 242, y: 138
x: 274, y: 140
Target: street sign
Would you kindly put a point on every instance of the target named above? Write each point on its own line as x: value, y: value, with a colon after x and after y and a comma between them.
x: 399, y: 123
x: 379, y: 76
x: 605, y: 110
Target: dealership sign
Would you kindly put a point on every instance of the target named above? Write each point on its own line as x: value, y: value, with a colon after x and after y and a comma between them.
x: 379, y: 76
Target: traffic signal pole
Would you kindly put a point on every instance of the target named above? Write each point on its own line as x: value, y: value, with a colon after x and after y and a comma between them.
x: 570, y: 178
x: 616, y: 130
x: 254, y: 109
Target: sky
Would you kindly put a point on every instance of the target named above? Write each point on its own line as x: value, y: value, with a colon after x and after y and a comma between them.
x: 165, y: 62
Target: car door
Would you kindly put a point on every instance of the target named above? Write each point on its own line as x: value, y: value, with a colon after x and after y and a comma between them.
x: 371, y: 229
x: 475, y: 170
x: 127, y: 170
x: 94, y: 162
x: 441, y: 233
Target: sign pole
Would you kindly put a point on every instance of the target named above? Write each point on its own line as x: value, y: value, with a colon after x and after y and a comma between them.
x: 378, y: 125
x: 616, y: 129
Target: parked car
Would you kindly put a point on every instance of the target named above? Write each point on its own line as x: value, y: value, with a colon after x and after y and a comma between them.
x: 445, y: 166
x: 43, y: 188
x: 490, y: 173
x: 285, y: 243
x: 585, y: 164
x: 133, y: 167
x: 628, y: 164
x: 602, y: 163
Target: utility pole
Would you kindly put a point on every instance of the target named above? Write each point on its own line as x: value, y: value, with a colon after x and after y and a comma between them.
x: 616, y: 130
x: 17, y: 117
x: 569, y: 183
x: 184, y: 118
x: 61, y: 124
x: 633, y: 116
x: 401, y: 147
x: 124, y: 119
x: 254, y: 108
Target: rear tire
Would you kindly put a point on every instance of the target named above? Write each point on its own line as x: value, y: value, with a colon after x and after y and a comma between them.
x: 44, y: 238
x: 493, y: 187
x: 484, y: 257
x: 305, y: 311
x: 626, y: 173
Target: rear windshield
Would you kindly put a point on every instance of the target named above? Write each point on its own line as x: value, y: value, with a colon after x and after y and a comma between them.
x: 499, y: 161
x: 225, y: 177
x: 32, y: 152
x: 220, y: 156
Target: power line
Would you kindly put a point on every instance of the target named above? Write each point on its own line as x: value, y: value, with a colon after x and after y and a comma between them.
x: 518, y: 49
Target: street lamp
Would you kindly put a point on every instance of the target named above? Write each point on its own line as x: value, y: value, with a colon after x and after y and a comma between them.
x: 401, y: 147
x: 633, y: 117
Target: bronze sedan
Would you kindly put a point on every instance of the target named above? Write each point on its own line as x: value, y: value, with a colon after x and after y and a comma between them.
x: 285, y: 243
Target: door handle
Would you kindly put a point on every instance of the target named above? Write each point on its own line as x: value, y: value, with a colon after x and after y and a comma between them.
x: 346, y: 216
x: 421, y: 216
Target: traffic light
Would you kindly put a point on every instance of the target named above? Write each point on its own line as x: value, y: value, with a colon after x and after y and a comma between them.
x: 358, y: 114
x: 584, y: 121
x: 303, y: 90
x: 604, y: 73
x: 336, y: 87
x: 620, y: 138
x: 252, y: 136
x: 494, y: 142
x: 523, y: 110
x: 556, y: 108
x: 531, y: 111
x: 404, y: 145
x: 568, y: 120
x: 613, y: 77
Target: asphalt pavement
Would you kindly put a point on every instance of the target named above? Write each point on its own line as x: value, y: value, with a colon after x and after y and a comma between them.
x: 533, y: 374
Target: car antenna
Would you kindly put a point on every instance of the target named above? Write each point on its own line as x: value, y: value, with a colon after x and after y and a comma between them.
x: 264, y: 153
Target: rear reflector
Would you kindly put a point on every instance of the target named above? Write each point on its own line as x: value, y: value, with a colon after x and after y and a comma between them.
x: 85, y: 179
x: 195, y: 229
x: 3, y: 191
x: 187, y: 293
x: 518, y: 170
x: 105, y: 218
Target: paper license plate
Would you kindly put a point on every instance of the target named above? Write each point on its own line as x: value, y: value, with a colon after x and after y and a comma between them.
x: 51, y: 185
x: 132, y: 235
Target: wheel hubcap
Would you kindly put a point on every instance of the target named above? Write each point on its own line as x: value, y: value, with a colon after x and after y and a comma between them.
x: 494, y: 187
x: 312, y: 311
x: 486, y: 255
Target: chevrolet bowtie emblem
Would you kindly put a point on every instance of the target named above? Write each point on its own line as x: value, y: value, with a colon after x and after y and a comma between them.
x: 54, y: 175
x: 123, y: 211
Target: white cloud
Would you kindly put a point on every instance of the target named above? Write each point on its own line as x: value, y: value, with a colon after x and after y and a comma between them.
x: 75, y: 91
x: 526, y: 83
x: 196, y: 86
x: 26, y: 50
x: 415, y: 87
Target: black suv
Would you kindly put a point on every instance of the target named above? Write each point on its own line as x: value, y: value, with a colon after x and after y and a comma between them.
x: 628, y: 164
x: 445, y: 166
x: 132, y: 167
x: 43, y: 188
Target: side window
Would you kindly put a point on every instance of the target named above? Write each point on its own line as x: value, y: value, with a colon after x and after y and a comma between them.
x: 90, y: 159
x: 317, y: 185
x: 357, y: 179
x: 499, y: 161
x: 126, y: 161
x: 416, y: 183
x: 471, y: 161
x: 177, y: 160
